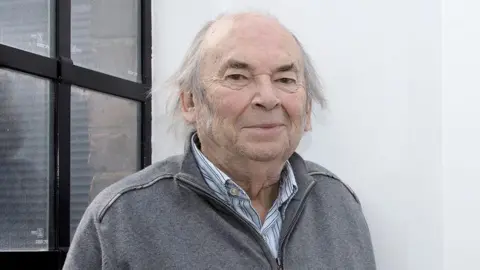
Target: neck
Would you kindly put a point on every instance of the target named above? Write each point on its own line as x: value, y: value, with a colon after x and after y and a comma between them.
x: 260, y: 181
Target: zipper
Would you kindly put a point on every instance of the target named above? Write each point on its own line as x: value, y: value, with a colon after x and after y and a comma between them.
x: 283, y: 241
x: 279, y: 264
x: 254, y: 230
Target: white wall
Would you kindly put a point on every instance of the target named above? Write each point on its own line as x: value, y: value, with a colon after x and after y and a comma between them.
x: 381, y: 63
x: 461, y: 133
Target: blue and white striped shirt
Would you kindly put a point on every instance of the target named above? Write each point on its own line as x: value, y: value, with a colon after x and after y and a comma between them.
x: 232, y: 194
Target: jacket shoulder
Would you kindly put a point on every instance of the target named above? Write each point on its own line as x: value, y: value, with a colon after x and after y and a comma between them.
x: 145, y: 178
x: 320, y: 173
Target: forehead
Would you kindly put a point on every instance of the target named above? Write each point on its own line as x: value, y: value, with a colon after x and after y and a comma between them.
x: 258, y: 41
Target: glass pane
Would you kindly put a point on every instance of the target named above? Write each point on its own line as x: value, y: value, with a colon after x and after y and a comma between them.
x: 24, y: 161
x: 26, y: 24
x: 105, y: 145
x: 105, y: 36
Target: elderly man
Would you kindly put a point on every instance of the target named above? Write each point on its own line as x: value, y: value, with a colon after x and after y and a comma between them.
x: 239, y: 197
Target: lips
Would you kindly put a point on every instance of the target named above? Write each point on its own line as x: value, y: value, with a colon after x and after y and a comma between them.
x: 266, y: 126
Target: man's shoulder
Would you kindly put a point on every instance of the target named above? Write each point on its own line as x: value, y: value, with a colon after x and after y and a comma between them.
x: 141, y: 180
x: 322, y: 174
x: 315, y: 169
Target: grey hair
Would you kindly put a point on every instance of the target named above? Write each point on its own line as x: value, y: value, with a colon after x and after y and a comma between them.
x: 187, y: 78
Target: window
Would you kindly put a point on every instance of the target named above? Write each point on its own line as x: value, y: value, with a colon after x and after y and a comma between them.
x: 104, y: 145
x: 75, y: 116
x: 107, y: 44
x: 25, y: 163
x: 27, y: 25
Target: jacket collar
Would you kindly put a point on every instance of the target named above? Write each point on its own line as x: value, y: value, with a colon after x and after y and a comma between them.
x: 191, y: 171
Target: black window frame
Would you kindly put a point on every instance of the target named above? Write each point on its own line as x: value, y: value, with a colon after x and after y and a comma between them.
x: 63, y: 73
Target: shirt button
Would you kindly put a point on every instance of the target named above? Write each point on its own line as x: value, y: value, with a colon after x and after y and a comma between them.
x: 234, y: 191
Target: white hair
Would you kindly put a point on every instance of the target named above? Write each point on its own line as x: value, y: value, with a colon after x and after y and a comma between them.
x: 187, y: 78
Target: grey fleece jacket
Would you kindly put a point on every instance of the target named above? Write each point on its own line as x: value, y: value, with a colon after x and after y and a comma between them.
x: 165, y: 217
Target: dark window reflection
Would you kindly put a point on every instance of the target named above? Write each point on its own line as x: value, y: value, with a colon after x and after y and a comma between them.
x: 106, y: 36
x: 24, y: 161
x: 104, y: 145
x: 27, y: 25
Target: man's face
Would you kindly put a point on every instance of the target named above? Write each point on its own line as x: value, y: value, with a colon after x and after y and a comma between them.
x: 255, y: 104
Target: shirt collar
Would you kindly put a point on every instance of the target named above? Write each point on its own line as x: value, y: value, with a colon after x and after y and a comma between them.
x: 215, y: 176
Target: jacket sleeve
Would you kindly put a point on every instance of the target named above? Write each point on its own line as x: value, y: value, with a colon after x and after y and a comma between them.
x: 85, y: 250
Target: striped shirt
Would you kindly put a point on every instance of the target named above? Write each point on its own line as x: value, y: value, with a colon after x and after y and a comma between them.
x: 232, y: 194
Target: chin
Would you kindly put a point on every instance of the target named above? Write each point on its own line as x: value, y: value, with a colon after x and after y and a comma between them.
x: 262, y: 157
x: 263, y: 153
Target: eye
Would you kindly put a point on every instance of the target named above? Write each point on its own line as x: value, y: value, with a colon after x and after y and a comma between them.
x: 286, y: 81
x: 236, y: 77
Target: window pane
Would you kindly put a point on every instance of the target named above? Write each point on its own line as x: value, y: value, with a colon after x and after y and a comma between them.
x: 105, y: 36
x: 26, y: 24
x: 24, y: 161
x: 105, y: 145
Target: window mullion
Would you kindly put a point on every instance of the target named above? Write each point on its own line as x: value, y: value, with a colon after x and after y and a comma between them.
x: 61, y: 207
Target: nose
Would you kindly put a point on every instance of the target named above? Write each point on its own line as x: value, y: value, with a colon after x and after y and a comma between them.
x: 266, y: 96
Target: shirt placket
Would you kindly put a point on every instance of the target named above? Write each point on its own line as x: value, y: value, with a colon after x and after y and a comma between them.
x: 236, y: 194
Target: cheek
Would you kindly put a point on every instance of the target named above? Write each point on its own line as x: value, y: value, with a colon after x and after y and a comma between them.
x: 230, y: 106
x: 296, y: 108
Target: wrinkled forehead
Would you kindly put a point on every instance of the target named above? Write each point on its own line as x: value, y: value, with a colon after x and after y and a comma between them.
x: 256, y: 40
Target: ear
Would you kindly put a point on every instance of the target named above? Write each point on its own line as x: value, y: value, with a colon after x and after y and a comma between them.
x: 308, y: 117
x: 188, y: 107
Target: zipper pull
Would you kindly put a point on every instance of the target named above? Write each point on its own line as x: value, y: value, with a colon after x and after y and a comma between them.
x: 279, y: 264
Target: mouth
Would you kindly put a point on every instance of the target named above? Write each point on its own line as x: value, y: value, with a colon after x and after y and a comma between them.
x: 266, y: 126
x: 265, y: 131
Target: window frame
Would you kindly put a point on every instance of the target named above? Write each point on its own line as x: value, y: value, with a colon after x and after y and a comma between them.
x: 63, y: 73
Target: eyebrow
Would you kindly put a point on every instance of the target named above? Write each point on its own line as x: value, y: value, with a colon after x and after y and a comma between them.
x: 236, y: 64
x: 289, y: 67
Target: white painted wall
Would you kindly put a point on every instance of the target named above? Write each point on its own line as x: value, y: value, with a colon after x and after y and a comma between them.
x: 461, y: 133
x: 381, y: 64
